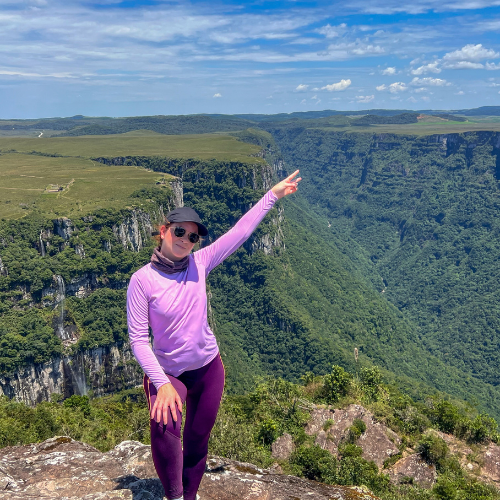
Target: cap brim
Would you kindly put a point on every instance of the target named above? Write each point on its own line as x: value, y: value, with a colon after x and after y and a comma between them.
x: 202, y: 230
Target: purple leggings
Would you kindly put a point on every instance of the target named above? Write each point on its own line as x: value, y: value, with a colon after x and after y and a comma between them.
x: 180, y: 470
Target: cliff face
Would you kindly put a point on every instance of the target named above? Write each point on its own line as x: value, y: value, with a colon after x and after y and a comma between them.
x: 100, y: 371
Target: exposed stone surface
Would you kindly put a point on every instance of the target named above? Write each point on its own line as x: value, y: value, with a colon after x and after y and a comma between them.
x: 413, y: 467
x: 134, y: 230
x: 178, y: 191
x: 3, y: 269
x: 65, y: 469
x: 283, y: 447
x: 64, y: 228
x: 108, y: 369
x: 491, y: 463
x: 378, y: 441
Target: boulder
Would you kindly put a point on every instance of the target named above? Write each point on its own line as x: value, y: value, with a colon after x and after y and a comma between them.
x: 61, y: 468
x: 283, y: 447
x: 378, y: 442
x: 413, y: 467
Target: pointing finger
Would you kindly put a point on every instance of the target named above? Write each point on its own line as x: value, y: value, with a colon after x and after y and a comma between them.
x: 290, y: 177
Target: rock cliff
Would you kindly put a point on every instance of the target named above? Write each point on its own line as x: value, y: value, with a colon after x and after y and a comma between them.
x: 102, y: 370
x: 70, y: 470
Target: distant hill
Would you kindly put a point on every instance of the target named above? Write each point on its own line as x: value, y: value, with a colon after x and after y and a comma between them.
x: 208, y: 123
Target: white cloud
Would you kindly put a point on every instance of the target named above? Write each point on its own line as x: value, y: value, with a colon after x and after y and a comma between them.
x: 336, y: 87
x: 303, y: 101
x: 411, y: 99
x: 332, y: 31
x: 463, y: 65
x: 396, y: 87
x: 301, y: 88
x: 389, y: 71
x: 368, y: 49
x: 492, y: 66
x: 425, y: 98
x: 390, y: 7
x: 427, y: 68
x: 344, y: 50
x: 472, y: 53
x: 493, y: 84
x: 38, y: 75
x: 436, y: 82
x: 420, y: 89
x: 314, y: 97
x: 217, y: 95
x: 381, y: 87
x: 365, y: 98
x: 460, y: 92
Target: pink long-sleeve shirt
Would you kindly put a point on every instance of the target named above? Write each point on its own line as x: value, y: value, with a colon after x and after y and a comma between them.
x: 175, y: 305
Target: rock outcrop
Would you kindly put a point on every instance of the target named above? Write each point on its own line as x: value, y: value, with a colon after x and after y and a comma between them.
x: 332, y: 426
x: 283, y: 447
x: 413, y: 468
x: 64, y: 228
x: 490, y: 459
x: 66, y: 469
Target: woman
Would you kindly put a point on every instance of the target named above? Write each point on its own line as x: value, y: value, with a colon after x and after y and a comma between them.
x: 169, y: 295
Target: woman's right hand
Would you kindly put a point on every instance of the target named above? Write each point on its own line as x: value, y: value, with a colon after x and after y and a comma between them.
x: 167, y: 399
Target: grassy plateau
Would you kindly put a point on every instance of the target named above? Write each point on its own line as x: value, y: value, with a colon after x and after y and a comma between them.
x: 59, y: 177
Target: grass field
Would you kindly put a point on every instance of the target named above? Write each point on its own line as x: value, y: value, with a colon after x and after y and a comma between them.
x: 423, y: 128
x: 30, y: 182
x: 140, y: 143
x: 72, y: 184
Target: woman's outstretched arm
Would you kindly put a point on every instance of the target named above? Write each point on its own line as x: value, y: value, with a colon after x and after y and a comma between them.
x: 214, y: 254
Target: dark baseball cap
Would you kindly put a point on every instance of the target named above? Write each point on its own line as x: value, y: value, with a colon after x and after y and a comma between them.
x: 186, y: 214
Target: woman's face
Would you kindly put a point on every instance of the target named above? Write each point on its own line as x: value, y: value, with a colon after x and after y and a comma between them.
x: 173, y: 247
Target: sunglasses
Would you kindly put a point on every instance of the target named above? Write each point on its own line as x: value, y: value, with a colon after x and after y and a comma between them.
x: 180, y: 232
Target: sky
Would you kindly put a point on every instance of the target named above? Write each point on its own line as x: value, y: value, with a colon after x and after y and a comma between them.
x: 154, y: 57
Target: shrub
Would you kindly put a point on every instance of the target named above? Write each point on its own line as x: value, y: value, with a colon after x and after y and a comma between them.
x: 268, y: 432
x: 371, y: 378
x: 336, y: 384
x: 482, y: 428
x: 357, y: 428
x: 315, y: 463
x: 432, y: 449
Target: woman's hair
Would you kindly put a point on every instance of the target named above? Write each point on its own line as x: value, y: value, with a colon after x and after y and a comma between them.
x: 157, y: 232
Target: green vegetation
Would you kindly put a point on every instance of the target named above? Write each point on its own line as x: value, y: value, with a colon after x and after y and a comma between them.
x: 66, y: 187
x: 60, y: 177
x: 423, y: 213
x: 247, y: 426
x: 85, y: 125
x: 302, y: 306
x: 206, y: 146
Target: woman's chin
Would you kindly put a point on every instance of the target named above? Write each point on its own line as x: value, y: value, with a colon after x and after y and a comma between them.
x: 180, y: 255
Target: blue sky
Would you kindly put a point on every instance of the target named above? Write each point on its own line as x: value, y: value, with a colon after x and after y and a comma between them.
x: 149, y: 57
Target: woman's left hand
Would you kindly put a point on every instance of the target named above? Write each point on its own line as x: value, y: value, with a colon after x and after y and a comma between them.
x: 287, y: 186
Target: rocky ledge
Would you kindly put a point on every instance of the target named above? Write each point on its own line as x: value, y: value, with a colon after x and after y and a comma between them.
x: 66, y: 469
